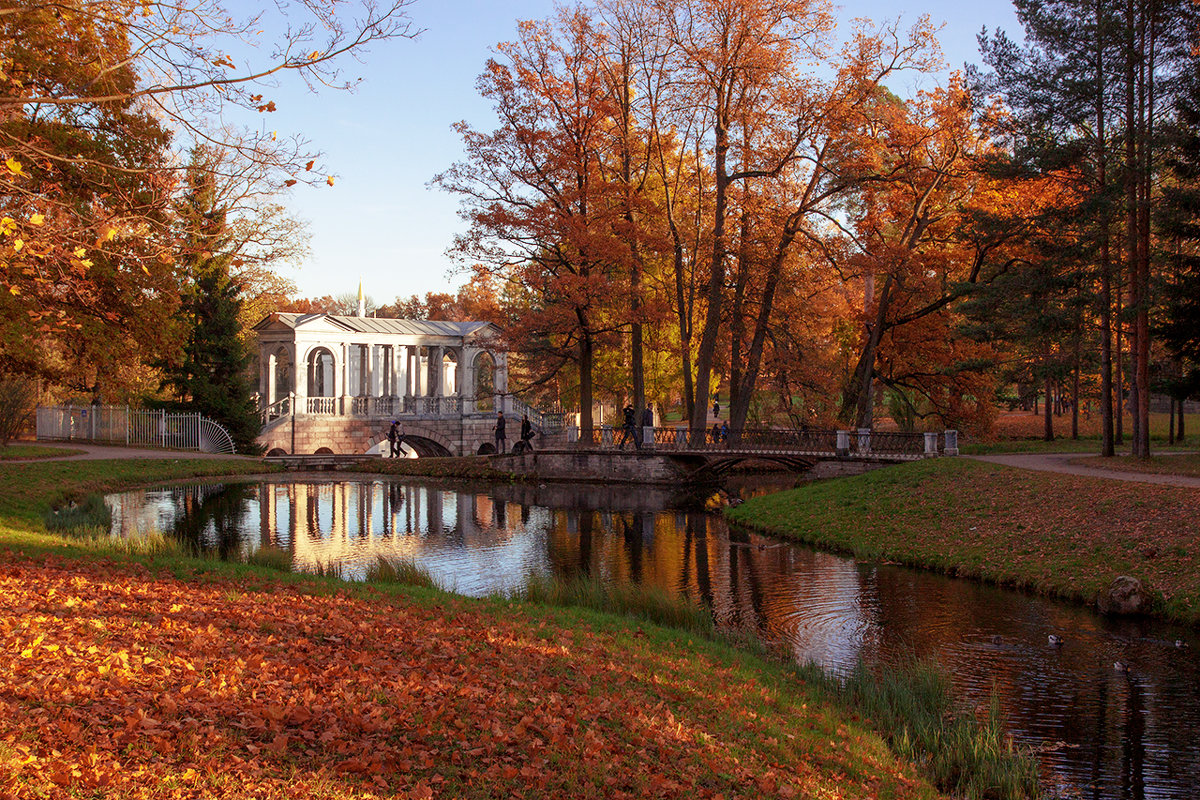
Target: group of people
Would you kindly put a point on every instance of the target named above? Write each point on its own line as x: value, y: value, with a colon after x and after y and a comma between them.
x: 629, y: 429
x: 527, y: 432
x: 395, y: 436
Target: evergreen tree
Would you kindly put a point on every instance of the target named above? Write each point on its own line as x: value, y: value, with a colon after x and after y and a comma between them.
x: 211, y: 376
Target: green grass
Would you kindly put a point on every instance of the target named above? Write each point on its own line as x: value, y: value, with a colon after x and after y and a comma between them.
x: 639, y: 601
x: 1017, y: 433
x: 18, y: 452
x: 399, y: 572
x: 1061, y: 535
x: 912, y: 707
x: 1174, y: 464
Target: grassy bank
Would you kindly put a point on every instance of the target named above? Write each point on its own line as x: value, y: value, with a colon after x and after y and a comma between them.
x: 1055, y: 534
x: 18, y: 451
x: 1174, y: 464
x: 160, y: 675
x: 1021, y: 432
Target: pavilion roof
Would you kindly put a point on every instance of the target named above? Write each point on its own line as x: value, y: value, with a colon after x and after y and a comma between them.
x: 404, y: 327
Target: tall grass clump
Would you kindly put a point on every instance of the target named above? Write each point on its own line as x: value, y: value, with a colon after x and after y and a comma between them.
x: 90, y: 515
x: 271, y: 557
x: 650, y: 603
x: 405, y: 573
x: 913, y: 708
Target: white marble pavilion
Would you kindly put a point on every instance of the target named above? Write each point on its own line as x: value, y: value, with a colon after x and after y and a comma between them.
x: 329, y: 365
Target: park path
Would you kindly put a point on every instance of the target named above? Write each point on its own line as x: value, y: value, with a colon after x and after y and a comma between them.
x: 1061, y: 463
x: 95, y: 452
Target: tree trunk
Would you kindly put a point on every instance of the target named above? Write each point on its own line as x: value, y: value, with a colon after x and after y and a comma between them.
x: 586, y: 353
x: 716, y: 285
x: 1075, y: 386
x: 1171, y: 423
x: 1048, y: 416
x: 858, y: 398
x: 739, y: 410
x: 1106, y: 399
x: 1119, y: 433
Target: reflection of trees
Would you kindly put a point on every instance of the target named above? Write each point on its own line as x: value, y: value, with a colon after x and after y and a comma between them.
x: 1124, y: 728
x: 211, y: 518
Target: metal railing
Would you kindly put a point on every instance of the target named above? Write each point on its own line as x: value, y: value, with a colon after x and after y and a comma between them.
x: 783, y: 441
x: 122, y: 425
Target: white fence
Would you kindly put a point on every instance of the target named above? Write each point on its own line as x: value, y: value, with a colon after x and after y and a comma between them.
x: 133, y: 427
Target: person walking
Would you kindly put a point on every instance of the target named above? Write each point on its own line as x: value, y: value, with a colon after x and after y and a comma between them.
x: 501, y: 439
x: 391, y: 437
x: 526, y: 432
x: 627, y: 429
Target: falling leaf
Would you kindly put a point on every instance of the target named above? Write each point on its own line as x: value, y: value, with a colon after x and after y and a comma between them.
x: 290, y: 182
x: 329, y: 180
x: 14, y: 166
x: 310, y: 165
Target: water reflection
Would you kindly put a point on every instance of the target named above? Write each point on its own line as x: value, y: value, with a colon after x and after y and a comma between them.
x: 1105, y: 733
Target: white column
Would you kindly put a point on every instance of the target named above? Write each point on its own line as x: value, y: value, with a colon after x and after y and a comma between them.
x: 342, y: 381
x: 372, y: 376
x: 437, y: 368
x: 300, y: 380
x: 268, y: 390
x: 402, y: 370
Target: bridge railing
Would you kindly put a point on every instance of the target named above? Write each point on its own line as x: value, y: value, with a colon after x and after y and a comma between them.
x: 798, y: 441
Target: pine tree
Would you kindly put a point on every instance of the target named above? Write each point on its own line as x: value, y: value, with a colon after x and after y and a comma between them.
x: 211, y: 377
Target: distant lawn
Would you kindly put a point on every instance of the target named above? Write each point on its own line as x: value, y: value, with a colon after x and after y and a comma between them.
x: 1183, y: 464
x: 28, y: 452
x: 1055, y: 534
x: 1021, y: 432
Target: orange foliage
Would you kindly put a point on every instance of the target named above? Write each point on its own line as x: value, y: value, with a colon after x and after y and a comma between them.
x: 126, y: 683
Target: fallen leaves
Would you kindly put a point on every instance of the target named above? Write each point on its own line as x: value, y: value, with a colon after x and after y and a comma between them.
x: 136, y: 685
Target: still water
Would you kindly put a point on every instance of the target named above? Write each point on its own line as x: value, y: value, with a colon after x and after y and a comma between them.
x: 1101, y: 733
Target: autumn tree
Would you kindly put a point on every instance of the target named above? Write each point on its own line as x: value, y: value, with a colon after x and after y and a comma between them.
x: 543, y: 214
x: 211, y: 375
x: 96, y: 101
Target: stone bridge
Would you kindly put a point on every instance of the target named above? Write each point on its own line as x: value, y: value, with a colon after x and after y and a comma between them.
x: 450, y: 434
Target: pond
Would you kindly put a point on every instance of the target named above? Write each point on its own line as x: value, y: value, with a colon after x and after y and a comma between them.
x: 1101, y: 732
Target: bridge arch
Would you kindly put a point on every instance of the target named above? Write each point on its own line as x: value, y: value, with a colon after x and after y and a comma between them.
x: 426, y: 443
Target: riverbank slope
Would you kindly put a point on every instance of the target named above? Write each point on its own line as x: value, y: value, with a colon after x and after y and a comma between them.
x: 165, y: 676
x: 1060, y: 535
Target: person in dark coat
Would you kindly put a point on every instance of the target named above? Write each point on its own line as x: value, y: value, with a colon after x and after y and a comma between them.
x: 627, y: 428
x: 501, y: 439
x: 393, y: 436
x: 526, y: 432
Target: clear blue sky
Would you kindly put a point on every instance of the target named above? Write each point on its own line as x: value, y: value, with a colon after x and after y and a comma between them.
x: 380, y: 222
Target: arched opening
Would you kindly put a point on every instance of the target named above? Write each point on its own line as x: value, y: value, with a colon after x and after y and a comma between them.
x: 283, y: 375
x: 320, y: 373
x: 485, y: 382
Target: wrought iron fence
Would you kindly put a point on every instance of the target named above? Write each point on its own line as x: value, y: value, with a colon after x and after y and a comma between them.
x: 791, y: 441
x: 133, y: 427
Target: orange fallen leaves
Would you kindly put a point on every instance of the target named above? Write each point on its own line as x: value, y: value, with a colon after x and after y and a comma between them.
x: 118, y: 682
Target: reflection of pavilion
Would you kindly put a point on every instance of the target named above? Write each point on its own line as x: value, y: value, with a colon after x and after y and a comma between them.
x: 335, y: 383
x: 353, y: 523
